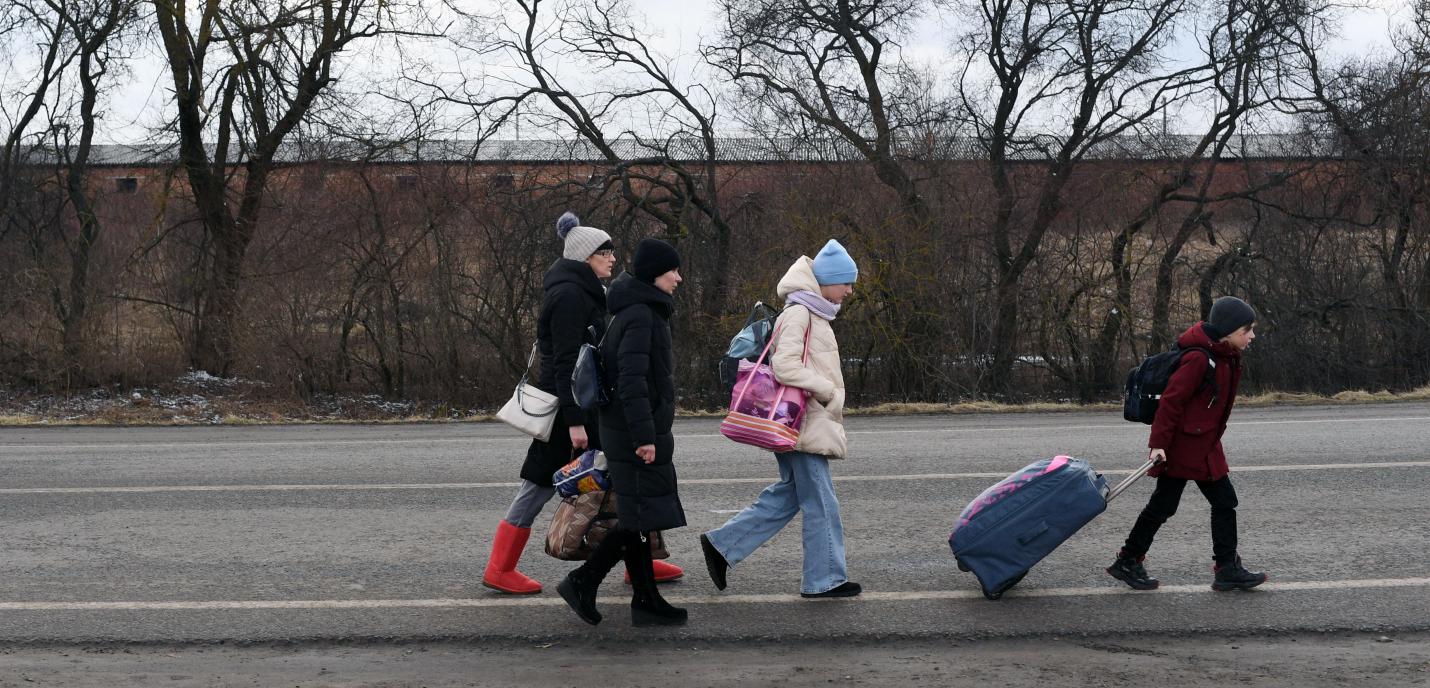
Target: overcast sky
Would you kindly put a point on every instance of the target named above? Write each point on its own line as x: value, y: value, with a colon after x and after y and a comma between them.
x: 141, y: 102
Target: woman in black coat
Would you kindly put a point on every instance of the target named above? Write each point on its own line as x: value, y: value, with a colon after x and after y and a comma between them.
x: 637, y: 437
x: 574, y: 301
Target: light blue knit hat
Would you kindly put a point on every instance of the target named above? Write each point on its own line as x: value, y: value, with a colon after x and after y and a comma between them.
x: 834, y: 266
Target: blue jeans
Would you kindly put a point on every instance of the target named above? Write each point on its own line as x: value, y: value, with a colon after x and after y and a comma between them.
x: 805, y: 485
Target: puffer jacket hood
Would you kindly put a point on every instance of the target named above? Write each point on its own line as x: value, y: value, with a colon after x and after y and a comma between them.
x: 575, y: 272
x: 628, y: 291
x: 1196, y: 336
x: 799, y: 277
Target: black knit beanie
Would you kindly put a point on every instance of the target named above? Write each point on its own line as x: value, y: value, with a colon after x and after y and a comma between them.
x: 653, y: 258
x: 1228, y: 315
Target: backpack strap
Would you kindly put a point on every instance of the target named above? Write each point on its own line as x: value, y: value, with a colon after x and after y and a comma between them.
x: 1208, y: 380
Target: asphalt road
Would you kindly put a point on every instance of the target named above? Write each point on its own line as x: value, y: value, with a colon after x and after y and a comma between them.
x: 339, y: 533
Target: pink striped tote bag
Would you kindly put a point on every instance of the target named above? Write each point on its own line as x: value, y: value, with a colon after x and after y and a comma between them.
x: 763, y: 412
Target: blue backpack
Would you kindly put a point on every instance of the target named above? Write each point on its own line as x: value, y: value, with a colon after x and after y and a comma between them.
x: 748, y: 342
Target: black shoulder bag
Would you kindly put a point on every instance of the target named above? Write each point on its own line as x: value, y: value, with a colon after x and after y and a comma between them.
x: 588, y: 380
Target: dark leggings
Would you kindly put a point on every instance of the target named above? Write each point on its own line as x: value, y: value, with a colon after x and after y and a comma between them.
x: 1163, y: 504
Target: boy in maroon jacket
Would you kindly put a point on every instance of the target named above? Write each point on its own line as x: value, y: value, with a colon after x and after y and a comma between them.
x: 1186, y: 442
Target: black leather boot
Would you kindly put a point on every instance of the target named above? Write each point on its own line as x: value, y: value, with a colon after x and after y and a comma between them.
x: 1130, y: 570
x: 1234, y: 576
x: 648, y: 608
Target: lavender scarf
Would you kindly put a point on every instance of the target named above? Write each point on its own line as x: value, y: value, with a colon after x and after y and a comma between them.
x: 816, y: 304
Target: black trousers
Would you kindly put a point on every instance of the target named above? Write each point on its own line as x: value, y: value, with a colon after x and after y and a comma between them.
x: 1163, y: 504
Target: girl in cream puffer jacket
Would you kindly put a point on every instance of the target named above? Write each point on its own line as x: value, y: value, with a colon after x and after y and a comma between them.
x: 813, y: 290
x: 823, y: 429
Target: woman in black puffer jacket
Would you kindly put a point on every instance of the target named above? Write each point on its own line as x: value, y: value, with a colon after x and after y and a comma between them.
x: 574, y: 301
x: 637, y: 437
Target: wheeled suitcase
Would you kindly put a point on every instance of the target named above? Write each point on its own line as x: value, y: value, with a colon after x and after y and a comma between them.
x: 1012, y: 525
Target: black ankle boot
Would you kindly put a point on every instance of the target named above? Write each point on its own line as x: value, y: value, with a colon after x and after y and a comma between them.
x: 648, y: 608
x: 653, y: 610
x: 1129, y: 570
x: 579, y: 591
x: 1234, y: 576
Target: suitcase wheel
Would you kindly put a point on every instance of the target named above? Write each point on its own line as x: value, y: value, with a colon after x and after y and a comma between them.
x: 996, y: 594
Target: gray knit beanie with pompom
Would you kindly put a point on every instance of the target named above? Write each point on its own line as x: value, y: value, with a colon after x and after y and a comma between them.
x: 580, y: 242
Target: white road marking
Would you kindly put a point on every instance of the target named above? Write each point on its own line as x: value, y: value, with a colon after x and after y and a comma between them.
x: 517, y: 439
x: 271, y: 443
x: 779, y: 598
x: 1119, y: 426
x: 1126, y: 471
x: 144, y: 489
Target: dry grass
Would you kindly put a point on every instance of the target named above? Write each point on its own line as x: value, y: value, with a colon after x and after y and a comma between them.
x: 1348, y: 397
x: 110, y: 419
x: 19, y: 420
x: 965, y: 407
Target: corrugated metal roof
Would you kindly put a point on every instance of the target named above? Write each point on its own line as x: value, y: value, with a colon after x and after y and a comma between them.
x: 751, y: 150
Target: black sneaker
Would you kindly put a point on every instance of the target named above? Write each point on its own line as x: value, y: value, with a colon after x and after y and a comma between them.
x: 1130, y: 571
x: 1234, y: 576
x: 845, y: 589
x: 714, y: 562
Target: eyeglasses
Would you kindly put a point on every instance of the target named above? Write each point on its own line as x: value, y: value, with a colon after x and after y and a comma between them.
x: 605, y: 253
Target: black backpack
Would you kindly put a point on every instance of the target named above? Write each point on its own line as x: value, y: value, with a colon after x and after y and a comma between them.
x: 588, y: 378
x: 1147, y: 381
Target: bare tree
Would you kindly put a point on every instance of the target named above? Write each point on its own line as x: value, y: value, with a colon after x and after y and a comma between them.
x: 1256, y: 64
x: 82, y: 43
x: 819, y: 71
x: 1244, y: 52
x: 1100, y: 69
x: 648, y: 122
x: 666, y: 171
x: 245, y: 76
x: 833, y: 67
x: 99, y: 27
x: 26, y: 26
x: 1376, y: 110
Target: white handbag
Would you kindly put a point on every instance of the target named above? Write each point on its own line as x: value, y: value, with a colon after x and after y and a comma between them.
x: 530, y: 410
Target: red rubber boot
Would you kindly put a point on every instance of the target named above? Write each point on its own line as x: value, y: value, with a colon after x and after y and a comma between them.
x: 664, y: 573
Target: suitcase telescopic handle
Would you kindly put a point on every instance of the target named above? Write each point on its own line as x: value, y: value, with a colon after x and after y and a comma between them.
x: 1127, y: 482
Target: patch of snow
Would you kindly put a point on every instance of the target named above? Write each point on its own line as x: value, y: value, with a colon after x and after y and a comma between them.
x: 201, y: 378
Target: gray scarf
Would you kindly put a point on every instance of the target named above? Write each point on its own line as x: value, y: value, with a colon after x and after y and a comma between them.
x: 816, y: 304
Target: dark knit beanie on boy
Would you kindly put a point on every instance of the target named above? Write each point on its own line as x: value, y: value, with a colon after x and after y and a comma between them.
x: 653, y: 258
x: 1228, y: 315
